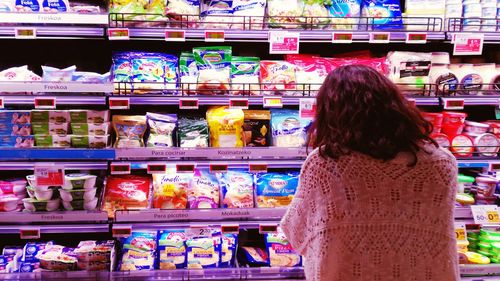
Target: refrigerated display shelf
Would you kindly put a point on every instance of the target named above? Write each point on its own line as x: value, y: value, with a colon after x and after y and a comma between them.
x: 10, y: 154
x: 53, y: 217
x: 31, y: 100
x: 17, y: 166
x: 56, y: 228
x: 51, y: 18
x: 232, y: 164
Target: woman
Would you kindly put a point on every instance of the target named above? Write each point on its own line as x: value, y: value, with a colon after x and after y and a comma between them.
x: 376, y: 196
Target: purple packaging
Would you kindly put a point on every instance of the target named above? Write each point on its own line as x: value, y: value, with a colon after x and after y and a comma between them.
x: 15, y: 116
x: 203, y: 191
x: 15, y: 129
x: 31, y: 250
x: 17, y: 141
x: 29, y: 267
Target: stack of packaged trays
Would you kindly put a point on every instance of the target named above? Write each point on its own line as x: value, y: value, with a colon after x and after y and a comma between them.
x: 15, y: 129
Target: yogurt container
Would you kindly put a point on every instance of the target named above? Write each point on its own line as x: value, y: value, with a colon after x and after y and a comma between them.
x: 453, y: 122
x: 476, y: 127
x: 464, y: 183
x: 486, y: 186
x: 487, y: 144
x: 79, y: 181
x: 42, y: 194
x: 14, y: 186
x: 444, y: 79
x: 442, y: 140
x: 8, y: 203
x: 77, y: 194
x: 462, y: 145
x: 436, y: 119
x: 34, y: 205
x: 80, y: 205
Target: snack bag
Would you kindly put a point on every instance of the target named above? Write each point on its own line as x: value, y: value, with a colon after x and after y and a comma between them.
x: 121, y: 71
x: 245, y: 73
x: 226, y: 126
x: 214, y: 65
x: 170, y: 190
x: 129, y: 131
x: 126, y: 192
x: 281, y: 253
x: 345, y: 14
x: 171, y: 249
x: 154, y: 71
x: 249, y: 14
x: 53, y: 74
x: 188, y: 72
x: 256, y: 128
x: 228, y: 250
x: 192, y: 132
x: 237, y: 189
x: 203, y: 191
x: 314, y: 13
x: 288, y: 129
x: 276, y: 189
x: 277, y: 77
x: 217, y: 13
x: 161, y: 129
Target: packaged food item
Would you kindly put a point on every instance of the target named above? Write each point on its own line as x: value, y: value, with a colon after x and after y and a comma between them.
x: 89, y: 205
x: 154, y: 71
x: 409, y: 69
x: 245, y: 73
x: 79, y: 181
x: 50, y: 116
x: 55, y: 6
x: 57, y: 258
x: 45, y: 128
x: 445, y: 80
x: 161, y: 129
x: 486, y: 186
x: 126, y: 192
x: 314, y: 13
x: 217, y: 13
x: 139, y: 13
x: 15, y: 117
x: 52, y: 74
x: 192, y: 132
x: 27, y: 6
x: 384, y: 14
x: 43, y: 194
x: 170, y: 190
x: 82, y: 8
x: 78, y: 194
x: 284, y: 13
x: 226, y: 126
x: 27, y: 267
x: 31, y: 250
x: 248, y: 14
x: 90, y: 77
x: 487, y: 144
x: 17, y: 141
x: 281, y: 253
x: 8, y: 202
x: 203, y: 191
x: 253, y: 256
x: 138, y: 251
x: 228, y: 250
x: 15, y: 129
x: 171, y: 249
x: 476, y: 127
x: 453, y: 122
x: 276, y: 189
x: 277, y: 77
x: 87, y: 141
x: 90, y: 129
x: 202, y: 252
x: 476, y: 258
x: 188, y: 72
x: 121, y: 71
x: 256, y: 128
x: 52, y: 140
x: 129, y: 131
x: 13, y: 186
x: 34, y: 205
x: 214, y: 65
x: 21, y: 73
x: 89, y: 116
x: 310, y: 73
x: 184, y: 11
x: 288, y: 129
x: 462, y: 145
x: 344, y: 15
x: 442, y: 140
x: 237, y: 189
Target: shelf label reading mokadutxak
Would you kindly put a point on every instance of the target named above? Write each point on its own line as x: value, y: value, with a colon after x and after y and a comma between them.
x: 284, y: 42
x: 485, y: 214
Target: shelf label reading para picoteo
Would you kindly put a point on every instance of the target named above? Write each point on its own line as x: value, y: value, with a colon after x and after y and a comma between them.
x: 416, y: 38
x: 342, y: 37
x: 380, y: 37
x: 49, y: 175
x: 119, y: 103
x: 175, y: 35
x: 468, y: 44
x: 215, y: 36
x: 118, y: 34
x: 284, y: 42
x: 25, y: 33
x: 485, y: 214
x: 29, y: 233
x: 45, y: 102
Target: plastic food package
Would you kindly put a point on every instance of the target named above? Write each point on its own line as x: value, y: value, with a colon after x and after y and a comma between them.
x: 245, y: 72
x: 384, y: 14
x: 277, y: 76
x: 214, y: 66
x: 57, y: 258
x: 315, y: 14
x: 411, y: 68
x: 15, y: 129
x: 31, y: 250
x: 139, y: 13
x: 284, y: 13
x: 184, y: 11
x: 154, y: 71
x: 228, y: 250
x: 253, y: 256
x: 217, y: 13
x: 27, y: 6
x: 281, y: 253
x: 226, y: 126
x: 276, y: 189
x: 288, y: 129
x: 171, y: 249
x: 52, y: 74
x: 90, y: 77
x: 237, y: 189
x: 50, y: 116
x: 203, y: 252
x: 188, y: 72
x: 17, y: 141
x: 139, y: 250
x: 79, y: 181
x: 310, y: 73
x: 170, y: 190
x: 203, y: 191
x: 89, y: 116
x: 121, y: 70
x: 161, y: 129
x: 129, y: 131
x: 248, y: 14
x: 15, y: 116
x: 55, y: 6
x: 257, y: 128
x: 345, y: 14
x: 193, y: 132
x: 21, y: 73
x: 126, y: 192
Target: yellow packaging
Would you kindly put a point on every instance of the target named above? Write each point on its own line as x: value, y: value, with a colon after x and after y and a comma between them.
x: 226, y: 126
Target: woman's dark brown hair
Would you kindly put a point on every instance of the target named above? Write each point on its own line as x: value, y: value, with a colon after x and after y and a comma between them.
x: 358, y: 109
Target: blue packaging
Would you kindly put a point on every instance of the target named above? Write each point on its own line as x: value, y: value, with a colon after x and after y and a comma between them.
x: 171, y: 249
x: 288, y: 129
x: 3, y: 264
x: 204, y: 252
x: 29, y: 267
x: 253, y: 256
x: 55, y: 6
x: 15, y: 129
x: 228, y: 250
x: 276, y: 189
x: 27, y: 6
x: 384, y: 14
x: 17, y: 141
x: 138, y: 251
x: 341, y: 10
x: 15, y: 116
x: 121, y: 70
x: 31, y: 249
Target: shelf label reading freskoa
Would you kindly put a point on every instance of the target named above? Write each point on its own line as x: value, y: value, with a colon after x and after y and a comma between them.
x: 485, y: 214
x: 284, y: 42
x: 467, y: 44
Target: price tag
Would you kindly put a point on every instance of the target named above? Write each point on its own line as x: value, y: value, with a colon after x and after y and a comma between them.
x: 257, y: 168
x: 45, y: 102
x: 199, y: 231
x: 485, y: 214
x: 307, y: 108
x: 119, y: 103
x: 118, y: 34
x: 2, y: 103
x: 238, y: 103
x: 120, y: 168
x: 25, y: 33
x: 466, y: 44
x: 185, y: 168
x: 188, y: 103
x: 272, y: 102
x: 121, y: 231
x: 215, y: 36
x: 284, y: 42
x: 416, y: 38
x: 234, y: 229
x: 157, y: 168
x: 268, y: 228
x: 460, y: 231
x: 494, y: 167
x: 454, y: 104
x: 29, y: 233
x: 218, y: 168
x: 49, y: 175
x: 380, y: 37
x: 342, y: 37
x: 175, y: 35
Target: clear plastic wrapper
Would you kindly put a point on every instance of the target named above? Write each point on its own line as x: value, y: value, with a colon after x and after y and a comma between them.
x: 214, y: 65
x: 170, y: 190
x: 139, y: 251
x: 52, y: 74
x: 281, y: 253
x: 184, y: 12
x: 314, y: 13
x: 284, y: 13
x: 193, y: 132
x: 203, y: 191
x: 249, y: 14
x: 217, y: 13
x: 154, y: 72
x: 288, y: 129
x: 129, y: 131
x: 409, y: 68
x: 133, y: 13
x: 161, y: 129
x: 188, y: 72
x: 237, y: 189
x: 245, y: 73
x: 126, y: 192
x: 277, y: 77
x: 344, y: 14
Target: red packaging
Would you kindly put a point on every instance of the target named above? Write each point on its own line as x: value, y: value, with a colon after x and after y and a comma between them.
x: 126, y: 192
x: 453, y: 123
x: 277, y: 76
x: 436, y: 120
x: 462, y: 145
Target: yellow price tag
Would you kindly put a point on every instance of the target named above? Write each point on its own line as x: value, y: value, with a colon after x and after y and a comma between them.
x: 460, y: 233
x: 493, y: 217
x: 168, y: 189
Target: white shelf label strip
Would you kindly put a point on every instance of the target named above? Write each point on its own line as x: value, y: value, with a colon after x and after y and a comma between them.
x: 61, y: 18
x: 51, y: 87
x: 74, y: 216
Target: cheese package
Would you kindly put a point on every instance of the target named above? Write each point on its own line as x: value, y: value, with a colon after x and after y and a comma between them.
x: 203, y: 192
x: 204, y: 252
x: 228, y: 250
x: 226, y: 126
x: 161, y: 129
x: 129, y: 131
x: 237, y: 189
x: 170, y: 190
x: 138, y: 251
x: 276, y: 189
x: 288, y: 129
x: 281, y: 253
x: 171, y: 249
x: 126, y: 192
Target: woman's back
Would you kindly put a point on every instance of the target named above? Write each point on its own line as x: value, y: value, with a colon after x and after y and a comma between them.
x: 367, y: 219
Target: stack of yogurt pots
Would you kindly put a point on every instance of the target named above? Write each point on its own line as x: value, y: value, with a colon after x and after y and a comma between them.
x: 486, y: 187
x: 486, y: 143
x: 485, y: 243
x: 79, y: 192
x: 41, y: 198
x: 13, y: 191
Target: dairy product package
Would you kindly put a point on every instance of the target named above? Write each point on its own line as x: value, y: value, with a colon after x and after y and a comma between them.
x: 344, y: 14
x: 410, y: 69
x: 385, y: 15
x: 217, y: 13
x: 248, y: 14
